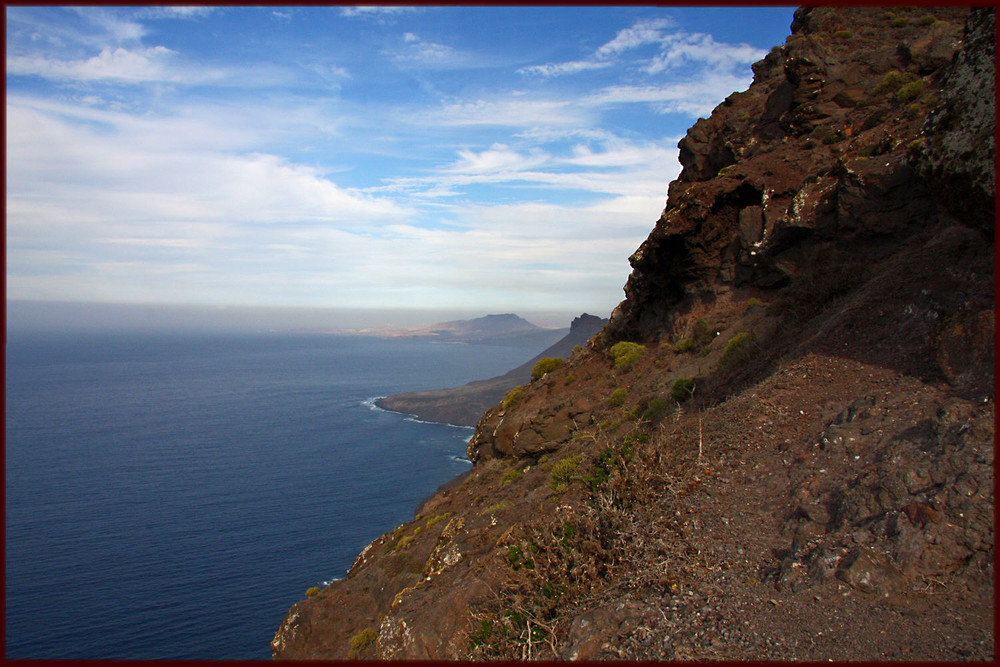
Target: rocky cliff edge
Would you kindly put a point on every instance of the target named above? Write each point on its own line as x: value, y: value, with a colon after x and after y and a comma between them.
x: 781, y: 445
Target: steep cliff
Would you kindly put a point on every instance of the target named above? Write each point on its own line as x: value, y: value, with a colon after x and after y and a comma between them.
x: 781, y: 445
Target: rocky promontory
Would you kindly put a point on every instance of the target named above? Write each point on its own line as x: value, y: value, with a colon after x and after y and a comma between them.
x: 463, y: 406
x: 781, y: 445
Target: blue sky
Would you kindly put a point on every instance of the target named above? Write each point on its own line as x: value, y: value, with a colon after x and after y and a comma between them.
x: 482, y: 158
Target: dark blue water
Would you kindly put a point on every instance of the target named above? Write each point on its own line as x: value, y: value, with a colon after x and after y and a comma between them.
x: 170, y: 497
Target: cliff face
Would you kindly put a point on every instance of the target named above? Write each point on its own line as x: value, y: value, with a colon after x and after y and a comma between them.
x: 781, y: 445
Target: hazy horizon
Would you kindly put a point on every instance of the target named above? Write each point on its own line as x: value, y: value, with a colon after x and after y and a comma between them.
x: 41, y: 316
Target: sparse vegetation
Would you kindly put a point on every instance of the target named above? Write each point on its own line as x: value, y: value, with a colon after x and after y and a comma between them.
x: 655, y: 410
x: 431, y: 521
x: 737, y: 349
x: 563, y: 473
x: 618, y: 397
x: 311, y: 591
x: 362, y: 639
x: 496, y: 507
x: 910, y: 91
x: 510, y: 476
x: 512, y: 397
x: 682, y: 389
x: 701, y: 336
x: 544, y: 366
x: 407, y: 539
x: 893, y: 81
x: 517, y: 558
x: 625, y: 353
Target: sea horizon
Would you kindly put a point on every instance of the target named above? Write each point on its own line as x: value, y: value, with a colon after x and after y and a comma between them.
x: 180, y: 491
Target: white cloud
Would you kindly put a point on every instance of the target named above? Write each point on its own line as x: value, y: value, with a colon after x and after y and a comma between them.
x: 644, y: 32
x: 683, y: 50
x: 140, y: 65
x: 175, y: 12
x: 375, y: 12
x: 497, y: 158
x: 417, y: 51
x: 695, y: 98
x: 559, y: 69
x: 678, y: 49
x: 113, y: 197
x: 510, y: 111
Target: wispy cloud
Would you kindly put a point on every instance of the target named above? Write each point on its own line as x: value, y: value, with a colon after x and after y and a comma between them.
x: 694, y: 98
x: 376, y: 12
x: 417, y: 51
x: 675, y: 48
x: 129, y: 66
x: 510, y: 111
x: 683, y: 49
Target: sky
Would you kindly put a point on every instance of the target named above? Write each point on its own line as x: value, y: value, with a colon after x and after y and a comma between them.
x: 480, y: 159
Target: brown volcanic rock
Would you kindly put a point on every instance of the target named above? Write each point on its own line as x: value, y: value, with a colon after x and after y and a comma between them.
x: 825, y: 279
x: 819, y: 144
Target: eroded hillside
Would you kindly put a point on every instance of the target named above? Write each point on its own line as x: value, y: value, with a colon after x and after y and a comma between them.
x: 781, y: 445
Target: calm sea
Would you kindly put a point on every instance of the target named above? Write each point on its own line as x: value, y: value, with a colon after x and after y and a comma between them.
x: 171, y: 496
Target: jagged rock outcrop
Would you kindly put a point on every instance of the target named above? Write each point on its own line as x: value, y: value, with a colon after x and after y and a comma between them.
x: 781, y: 445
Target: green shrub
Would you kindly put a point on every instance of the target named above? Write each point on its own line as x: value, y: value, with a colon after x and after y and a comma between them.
x: 517, y: 558
x: 363, y: 639
x: 893, y: 81
x: 436, y: 518
x: 899, y: 21
x: 910, y: 91
x: 617, y: 397
x: 545, y: 365
x: 406, y: 540
x: 701, y: 335
x: 842, y: 34
x: 926, y: 21
x: 311, y: 591
x: 510, y: 476
x: 482, y: 635
x: 682, y: 389
x: 512, y: 397
x: 737, y: 349
x: 563, y: 473
x: 601, y: 470
x: 686, y: 345
x: 496, y: 507
x: 625, y: 353
x: 656, y: 410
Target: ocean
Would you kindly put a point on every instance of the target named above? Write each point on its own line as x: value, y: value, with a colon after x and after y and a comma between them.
x: 170, y: 496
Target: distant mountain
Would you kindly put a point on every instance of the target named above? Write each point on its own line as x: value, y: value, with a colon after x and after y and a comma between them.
x: 466, y: 404
x: 505, y: 329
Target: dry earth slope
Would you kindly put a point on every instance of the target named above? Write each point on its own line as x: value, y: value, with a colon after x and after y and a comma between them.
x: 781, y: 445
